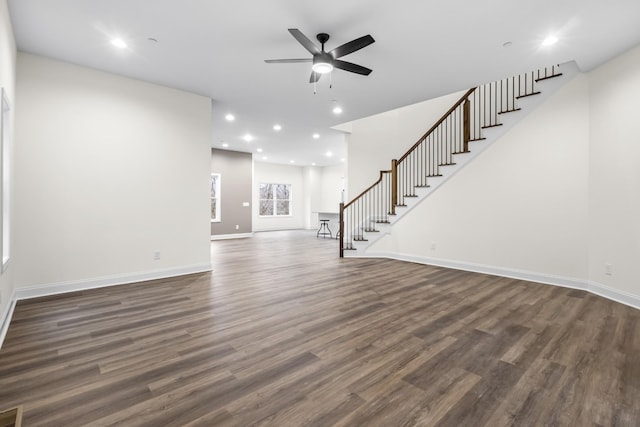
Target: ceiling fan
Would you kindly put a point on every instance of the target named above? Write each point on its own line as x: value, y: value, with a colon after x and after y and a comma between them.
x: 325, y: 62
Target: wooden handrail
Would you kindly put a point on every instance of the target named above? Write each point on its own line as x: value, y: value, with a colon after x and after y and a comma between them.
x: 365, y: 191
x: 438, y: 123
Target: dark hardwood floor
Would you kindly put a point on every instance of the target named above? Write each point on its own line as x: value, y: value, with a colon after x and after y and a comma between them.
x: 284, y: 333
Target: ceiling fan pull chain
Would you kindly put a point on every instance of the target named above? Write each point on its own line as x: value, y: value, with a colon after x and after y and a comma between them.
x: 330, y: 79
x: 315, y: 83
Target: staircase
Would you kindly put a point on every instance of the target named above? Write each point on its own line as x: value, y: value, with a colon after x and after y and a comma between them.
x: 480, y: 117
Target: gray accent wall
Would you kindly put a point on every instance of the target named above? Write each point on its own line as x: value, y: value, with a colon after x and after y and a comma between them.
x: 236, y: 175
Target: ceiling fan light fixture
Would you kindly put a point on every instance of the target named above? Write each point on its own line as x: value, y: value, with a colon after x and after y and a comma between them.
x: 321, y: 67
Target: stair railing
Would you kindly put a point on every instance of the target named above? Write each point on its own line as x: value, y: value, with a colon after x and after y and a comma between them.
x: 479, y: 108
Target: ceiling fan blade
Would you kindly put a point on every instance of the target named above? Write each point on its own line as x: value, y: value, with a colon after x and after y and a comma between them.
x: 314, y: 77
x: 352, y: 46
x: 304, y: 41
x: 287, y: 61
x: 349, y: 66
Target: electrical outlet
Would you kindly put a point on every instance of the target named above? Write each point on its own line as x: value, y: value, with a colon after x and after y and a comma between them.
x: 608, y: 269
x: 156, y: 255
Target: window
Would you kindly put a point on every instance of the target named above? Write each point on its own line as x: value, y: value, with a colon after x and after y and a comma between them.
x: 215, y: 197
x: 5, y: 147
x: 275, y: 199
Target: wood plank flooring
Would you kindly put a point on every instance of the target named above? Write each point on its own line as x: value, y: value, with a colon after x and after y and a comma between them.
x: 284, y: 333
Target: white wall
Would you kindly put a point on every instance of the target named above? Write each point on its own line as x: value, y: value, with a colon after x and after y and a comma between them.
x: 7, y: 81
x: 331, y: 189
x: 312, y: 182
x: 376, y: 140
x: 520, y: 206
x: 108, y: 171
x: 614, y: 164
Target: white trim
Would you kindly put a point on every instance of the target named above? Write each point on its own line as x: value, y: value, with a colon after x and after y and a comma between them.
x: 101, y: 282
x: 6, y: 318
x: 614, y: 294
x: 548, y: 279
x: 230, y: 236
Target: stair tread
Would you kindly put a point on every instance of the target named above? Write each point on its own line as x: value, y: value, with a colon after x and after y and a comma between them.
x: 447, y: 164
x: 477, y: 139
x: 491, y: 126
x: 433, y: 176
x: 528, y: 94
x: 422, y: 186
x: 461, y: 152
x: 548, y: 77
x: 509, y: 111
x: 410, y: 195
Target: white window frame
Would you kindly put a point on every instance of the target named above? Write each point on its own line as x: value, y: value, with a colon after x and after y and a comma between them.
x: 218, y: 185
x: 275, y: 201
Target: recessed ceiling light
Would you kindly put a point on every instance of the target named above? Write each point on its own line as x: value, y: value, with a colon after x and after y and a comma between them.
x: 549, y: 41
x: 264, y: 157
x: 292, y: 161
x: 225, y: 145
x: 229, y: 117
x: 342, y: 159
x: 316, y: 136
x: 119, y: 43
x: 329, y: 154
x: 337, y: 109
x: 277, y: 127
x: 259, y: 150
x: 248, y: 137
x: 313, y: 164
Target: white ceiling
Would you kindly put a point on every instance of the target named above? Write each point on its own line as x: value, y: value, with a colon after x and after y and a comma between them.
x: 423, y: 49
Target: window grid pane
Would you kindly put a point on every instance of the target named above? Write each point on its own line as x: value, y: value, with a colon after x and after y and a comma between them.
x: 275, y: 199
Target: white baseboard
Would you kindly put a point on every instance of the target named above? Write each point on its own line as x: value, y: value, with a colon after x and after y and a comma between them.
x: 548, y: 279
x: 614, y: 294
x: 101, y: 282
x: 6, y: 318
x: 231, y: 236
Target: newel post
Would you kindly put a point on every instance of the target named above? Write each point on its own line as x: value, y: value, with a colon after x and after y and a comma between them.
x: 394, y: 186
x: 341, y: 232
x: 466, y: 131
